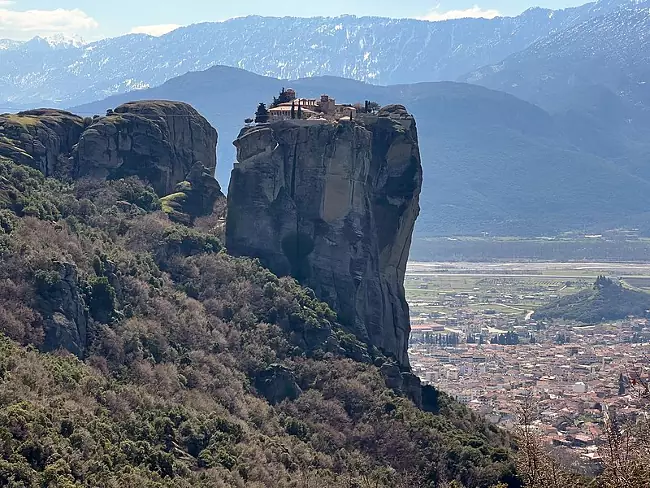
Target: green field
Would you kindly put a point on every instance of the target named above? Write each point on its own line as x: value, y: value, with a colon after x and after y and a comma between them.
x: 509, y: 290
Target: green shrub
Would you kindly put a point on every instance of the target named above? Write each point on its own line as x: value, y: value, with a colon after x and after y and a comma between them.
x: 102, y: 299
x: 8, y: 221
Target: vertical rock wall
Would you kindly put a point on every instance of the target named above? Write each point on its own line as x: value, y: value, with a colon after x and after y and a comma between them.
x: 158, y: 141
x: 334, y: 205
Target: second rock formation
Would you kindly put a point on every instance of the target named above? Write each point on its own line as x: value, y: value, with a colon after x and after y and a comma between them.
x: 158, y: 141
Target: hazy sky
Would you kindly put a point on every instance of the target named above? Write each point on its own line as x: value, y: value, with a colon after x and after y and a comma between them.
x: 94, y: 19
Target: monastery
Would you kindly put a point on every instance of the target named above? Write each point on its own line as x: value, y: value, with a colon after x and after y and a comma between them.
x: 325, y: 108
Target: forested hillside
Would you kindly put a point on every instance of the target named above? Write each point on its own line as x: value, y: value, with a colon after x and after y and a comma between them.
x: 608, y: 301
x: 198, y: 369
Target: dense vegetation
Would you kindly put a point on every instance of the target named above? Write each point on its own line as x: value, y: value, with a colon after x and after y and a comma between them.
x: 195, y: 368
x: 608, y: 301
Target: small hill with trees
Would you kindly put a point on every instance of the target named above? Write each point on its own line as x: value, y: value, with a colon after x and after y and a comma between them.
x: 608, y: 300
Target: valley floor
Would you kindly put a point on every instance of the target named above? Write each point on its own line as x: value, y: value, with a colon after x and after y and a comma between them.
x: 474, y: 337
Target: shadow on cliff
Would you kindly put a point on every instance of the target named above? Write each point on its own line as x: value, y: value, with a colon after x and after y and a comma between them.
x: 297, y: 247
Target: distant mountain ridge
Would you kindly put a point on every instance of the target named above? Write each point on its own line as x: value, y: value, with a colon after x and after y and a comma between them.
x: 377, y: 50
x: 594, y: 78
x: 53, y: 42
x: 610, y: 51
x: 492, y: 162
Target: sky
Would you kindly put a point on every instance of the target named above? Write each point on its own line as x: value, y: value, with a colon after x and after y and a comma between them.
x: 96, y: 19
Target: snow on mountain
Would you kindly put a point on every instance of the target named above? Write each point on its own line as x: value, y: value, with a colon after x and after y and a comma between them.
x: 8, y: 44
x: 610, y: 50
x: 64, y: 41
x: 38, y: 43
x: 371, y: 49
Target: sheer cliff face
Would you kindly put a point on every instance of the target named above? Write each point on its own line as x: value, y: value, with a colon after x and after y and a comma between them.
x: 334, y: 205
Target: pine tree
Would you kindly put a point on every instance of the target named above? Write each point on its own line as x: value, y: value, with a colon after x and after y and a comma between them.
x: 262, y: 115
x: 293, y: 110
x: 373, y: 107
x: 284, y: 97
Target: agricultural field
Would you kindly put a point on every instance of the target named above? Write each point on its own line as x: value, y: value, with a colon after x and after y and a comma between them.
x: 615, y: 246
x: 507, y: 290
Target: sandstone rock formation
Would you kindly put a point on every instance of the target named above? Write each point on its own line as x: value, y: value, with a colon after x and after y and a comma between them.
x: 403, y: 382
x: 194, y: 197
x: 334, y: 205
x: 158, y: 141
x: 43, y: 139
x: 277, y: 383
x: 62, y: 304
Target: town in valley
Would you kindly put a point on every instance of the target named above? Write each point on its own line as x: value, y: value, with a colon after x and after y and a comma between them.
x: 476, y: 337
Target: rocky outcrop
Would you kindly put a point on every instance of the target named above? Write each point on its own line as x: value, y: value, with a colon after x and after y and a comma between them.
x: 158, y: 141
x: 163, y: 143
x: 334, y: 205
x: 43, y: 139
x: 194, y: 197
x: 62, y: 305
x: 277, y: 383
x: 404, y: 382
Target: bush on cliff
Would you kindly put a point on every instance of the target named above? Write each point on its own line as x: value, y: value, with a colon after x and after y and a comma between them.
x: 175, y: 340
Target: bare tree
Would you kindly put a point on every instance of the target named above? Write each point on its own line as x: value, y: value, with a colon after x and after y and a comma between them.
x: 625, y: 451
x: 537, y: 467
x: 624, y: 447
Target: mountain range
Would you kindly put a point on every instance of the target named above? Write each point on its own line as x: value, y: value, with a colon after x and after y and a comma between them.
x: 554, y: 141
x: 372, y: 49
x: 611, y: 51
x: 492, y: 162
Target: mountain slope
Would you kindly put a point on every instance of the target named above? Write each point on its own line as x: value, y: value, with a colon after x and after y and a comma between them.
x: 492, y: 163
x: 201, y: 369
x: 610, y: 51
x: 593, y: 77
x: 377, y: 50
x: 499, y: 165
